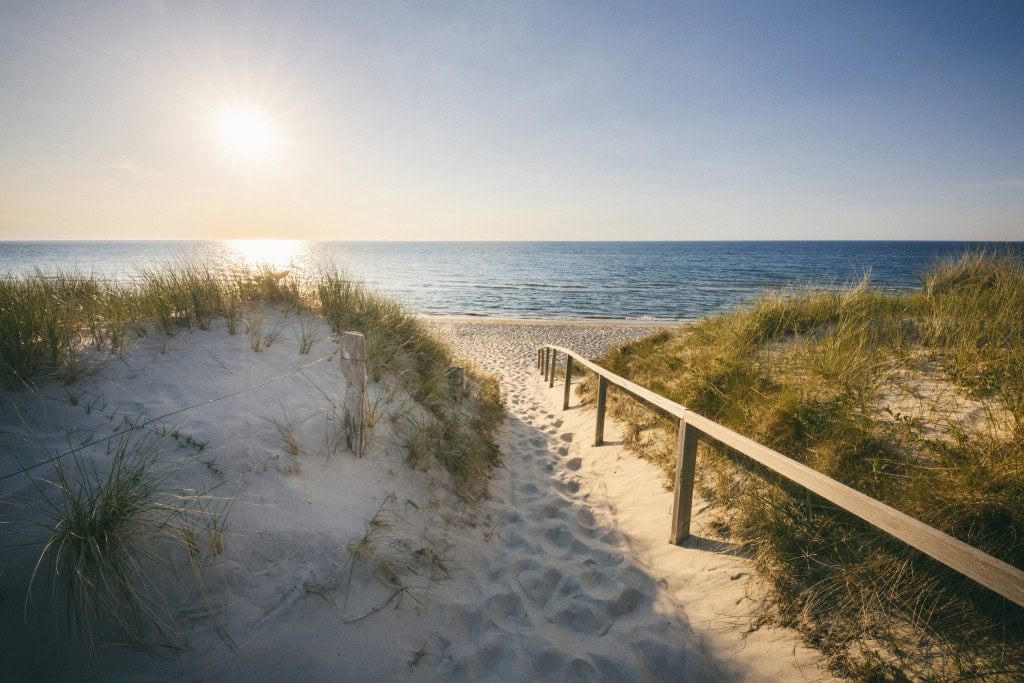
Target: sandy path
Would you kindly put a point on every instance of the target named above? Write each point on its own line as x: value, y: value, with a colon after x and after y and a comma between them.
x: 576, y: 576
x: 564, y: 573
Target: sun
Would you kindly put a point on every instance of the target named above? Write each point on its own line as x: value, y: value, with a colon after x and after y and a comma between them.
x: 246, y: 132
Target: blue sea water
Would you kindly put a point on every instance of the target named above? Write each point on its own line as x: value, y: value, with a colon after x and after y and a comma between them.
x: 561, y: 280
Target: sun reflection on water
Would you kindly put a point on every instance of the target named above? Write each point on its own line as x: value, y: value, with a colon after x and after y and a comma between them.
x: 277, y: 254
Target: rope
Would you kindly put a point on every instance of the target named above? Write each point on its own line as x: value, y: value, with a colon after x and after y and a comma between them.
x: 272, y: 380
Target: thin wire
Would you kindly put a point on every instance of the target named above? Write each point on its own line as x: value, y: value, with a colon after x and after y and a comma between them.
x: 28, y: 469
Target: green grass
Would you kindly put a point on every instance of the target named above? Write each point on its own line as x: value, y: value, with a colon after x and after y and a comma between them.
x: 915, y: 399
x: 106, y: 528
x: 457, y: 433
x: 460, y: 435
x: 111, y: 530
x: 47, y: 321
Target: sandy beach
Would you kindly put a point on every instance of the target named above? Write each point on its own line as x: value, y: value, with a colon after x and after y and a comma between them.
x: 594, y: 523
x: 340, y: 568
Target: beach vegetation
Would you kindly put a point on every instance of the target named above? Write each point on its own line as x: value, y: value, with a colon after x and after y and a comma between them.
x: 307, y: 336
x: 110, y: 525
x: 913, y: 398
x: 285, y: 432
x: 110, y: 528
x: 402, y: 352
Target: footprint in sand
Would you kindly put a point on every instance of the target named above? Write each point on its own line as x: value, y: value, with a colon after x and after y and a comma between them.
x: 538, y: 583
x: 507, y: 611
x: 600, y: 585
x: 510, y: 516
x: 553, y: 509
x: 613, y: 537
x: 574, y: 463
x: 563, y: 451
x: 585, y: 518
x: 660, y: 655
x: 528, y: 490
x: 567, y: 437
x: 571, y: 486
x: 557, y: 540
x: 625, y: 603
x: 570, y: 608
x: 605, y: 558
x: 545, y: 468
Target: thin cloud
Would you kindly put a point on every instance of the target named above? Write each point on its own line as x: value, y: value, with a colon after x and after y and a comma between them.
x: 133, y: 169
x: 1005, y: 184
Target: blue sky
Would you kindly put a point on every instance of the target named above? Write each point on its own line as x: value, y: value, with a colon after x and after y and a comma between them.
x: 488, y: 120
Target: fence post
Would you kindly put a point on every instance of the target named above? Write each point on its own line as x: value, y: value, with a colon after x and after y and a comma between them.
x: 568, y: 381
x: 682, y: 499
x: 551, y: 370
x: 544, y: 366
x: 457, y: 381
x: 538, y: 358
x: 602, y: 401
x: 352, y: 349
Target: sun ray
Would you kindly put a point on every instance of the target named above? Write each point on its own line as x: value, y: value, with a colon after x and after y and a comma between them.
x: 246, y: 132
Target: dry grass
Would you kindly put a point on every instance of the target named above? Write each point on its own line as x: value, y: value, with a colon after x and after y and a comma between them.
x: 824, y: 377
x: 110, y: 535
x: 104, y: 531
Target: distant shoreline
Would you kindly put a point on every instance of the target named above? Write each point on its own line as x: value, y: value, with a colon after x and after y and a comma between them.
x: 590, y: 322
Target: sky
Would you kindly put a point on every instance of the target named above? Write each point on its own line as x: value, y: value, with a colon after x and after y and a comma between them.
x: 512, y: 120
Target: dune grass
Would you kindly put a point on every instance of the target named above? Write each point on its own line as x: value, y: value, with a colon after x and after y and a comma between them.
x: 111, y: 530
x: 105, y: 527
x: 914, y: 399
x: 49, y: 322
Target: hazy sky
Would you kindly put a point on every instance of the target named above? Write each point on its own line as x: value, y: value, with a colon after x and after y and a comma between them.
x: 524, y: 120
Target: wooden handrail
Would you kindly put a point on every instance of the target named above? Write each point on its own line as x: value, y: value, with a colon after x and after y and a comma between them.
x: 991, y: 572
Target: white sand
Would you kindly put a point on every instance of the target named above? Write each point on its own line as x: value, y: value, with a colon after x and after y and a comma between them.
x: 564, y: 574
x: 589, y: 526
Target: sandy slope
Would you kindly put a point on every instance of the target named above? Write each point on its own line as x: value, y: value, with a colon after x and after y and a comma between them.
x: 562, y: 575
x: 586, y: 563
x: 277, y: 601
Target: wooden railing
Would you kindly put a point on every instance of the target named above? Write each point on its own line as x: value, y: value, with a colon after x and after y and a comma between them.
x: 1003, y: 578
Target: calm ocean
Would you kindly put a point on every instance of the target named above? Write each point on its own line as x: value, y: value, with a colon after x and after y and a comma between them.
x: 567, y: 280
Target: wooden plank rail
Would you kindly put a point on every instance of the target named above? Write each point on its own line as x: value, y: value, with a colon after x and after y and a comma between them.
x: 993, y: 573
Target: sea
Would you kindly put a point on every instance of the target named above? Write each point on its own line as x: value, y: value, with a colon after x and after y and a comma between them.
x: 547, y: 280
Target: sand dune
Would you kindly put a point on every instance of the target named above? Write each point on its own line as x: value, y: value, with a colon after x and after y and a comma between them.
x: 562, y: 574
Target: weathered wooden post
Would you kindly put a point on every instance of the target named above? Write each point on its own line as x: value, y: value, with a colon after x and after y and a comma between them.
x: 551, y: 370
x: 682, y: 499
x: 602, y: 402
x: 568, y: 381
x: 538, y: 359
x: 457, y: 381
x: 352, y: 348
x: 544, y: 364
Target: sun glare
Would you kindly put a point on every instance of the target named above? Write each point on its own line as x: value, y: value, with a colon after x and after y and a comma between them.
x: 277, y: 254
x: 247, y: 133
